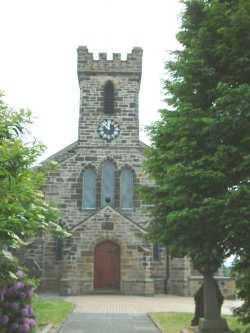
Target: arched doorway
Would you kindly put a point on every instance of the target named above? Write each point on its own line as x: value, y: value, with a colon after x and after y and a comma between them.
x: 107, y: 266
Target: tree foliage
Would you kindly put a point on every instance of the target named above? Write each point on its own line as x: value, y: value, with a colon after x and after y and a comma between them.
x: 23, y: 210
x: 200, y: 152
x: 241, y: 270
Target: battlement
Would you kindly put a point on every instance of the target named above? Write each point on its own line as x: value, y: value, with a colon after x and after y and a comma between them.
x: 87, y: 65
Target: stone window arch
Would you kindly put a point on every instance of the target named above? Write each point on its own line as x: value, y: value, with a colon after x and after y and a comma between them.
x: 89, y: 189
x: 109, y: 97
x: 108, y: 183
x: 127, y: 188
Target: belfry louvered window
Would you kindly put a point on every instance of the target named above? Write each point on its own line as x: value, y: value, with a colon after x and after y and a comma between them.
x: 108, y: 184
x: 108, y: 97
x: 127, y: 188
x: 89, y: 189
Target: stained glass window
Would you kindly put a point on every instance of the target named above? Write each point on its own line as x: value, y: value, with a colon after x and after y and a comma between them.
x: 89, y: 189
x: 108, y: 183
x: 127, y: 188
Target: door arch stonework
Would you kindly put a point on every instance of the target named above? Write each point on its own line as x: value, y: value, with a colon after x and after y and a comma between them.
x: 107, y: 265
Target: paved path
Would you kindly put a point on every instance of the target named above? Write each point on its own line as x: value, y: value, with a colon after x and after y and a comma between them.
x: 138, y: 304
x: 125, y: 314
x: 108, y: 323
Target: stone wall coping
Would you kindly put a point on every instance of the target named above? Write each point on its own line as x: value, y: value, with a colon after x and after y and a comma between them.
x: 143, y: 144
x: 112, y: 210
x: 145, y: 249
x: 76, y: 145
x: 122, y: 280
x: 62, y: 151
x: 116, y: 147
x: 200, y: 277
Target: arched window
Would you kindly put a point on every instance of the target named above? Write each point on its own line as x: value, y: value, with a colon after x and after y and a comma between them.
x: 127, y: 188
x: 89, y: 189
x: 108, y: 184
x: 108, y: 97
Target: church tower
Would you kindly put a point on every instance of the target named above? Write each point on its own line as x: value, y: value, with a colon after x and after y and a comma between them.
x: 109, y: 98
x: 108, y: 133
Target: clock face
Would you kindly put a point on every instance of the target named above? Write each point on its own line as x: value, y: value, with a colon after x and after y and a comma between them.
x: 108, y: 129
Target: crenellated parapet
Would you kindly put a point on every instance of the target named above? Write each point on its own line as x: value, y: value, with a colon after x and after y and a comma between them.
x: 87, y: 65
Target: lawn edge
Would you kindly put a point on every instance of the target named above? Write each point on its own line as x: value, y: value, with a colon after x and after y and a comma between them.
x: 155, y: 322
x: 57, y: 329
x: 51, y: 328
x: 45, y: 329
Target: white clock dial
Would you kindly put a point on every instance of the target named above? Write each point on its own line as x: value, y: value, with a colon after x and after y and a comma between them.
x: 108, y: 129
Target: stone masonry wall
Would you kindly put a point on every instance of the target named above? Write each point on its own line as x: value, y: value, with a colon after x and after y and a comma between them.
x: 74, y: 272
x: 159, y: 271
x: 178, y: 276
x: 226, y: 285
x: 125, y: 76
x: 64, y: 189
x: 64, y: 185
x: 78, y: 268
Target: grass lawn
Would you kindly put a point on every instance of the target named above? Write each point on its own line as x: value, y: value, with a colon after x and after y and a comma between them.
x: 50, y: 310
x: 172, y: 322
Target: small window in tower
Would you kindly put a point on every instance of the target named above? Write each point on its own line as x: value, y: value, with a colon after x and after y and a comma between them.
x: 108, y: 184
x: 89, y: 189
x: 127, y: 188
x: 109, y: 97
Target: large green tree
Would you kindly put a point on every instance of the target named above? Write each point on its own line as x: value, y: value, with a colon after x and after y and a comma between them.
x: 23, y: 210
x: 200, y: 152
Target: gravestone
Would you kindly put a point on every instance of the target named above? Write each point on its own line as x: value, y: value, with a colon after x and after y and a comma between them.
x: 199, y: 303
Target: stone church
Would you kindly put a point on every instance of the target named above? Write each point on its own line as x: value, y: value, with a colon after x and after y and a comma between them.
x: 94, y: 188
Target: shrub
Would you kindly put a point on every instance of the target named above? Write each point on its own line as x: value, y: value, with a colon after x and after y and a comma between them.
x: 16, y: 314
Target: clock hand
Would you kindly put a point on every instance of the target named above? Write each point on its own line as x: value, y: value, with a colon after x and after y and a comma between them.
x: 107, y: 125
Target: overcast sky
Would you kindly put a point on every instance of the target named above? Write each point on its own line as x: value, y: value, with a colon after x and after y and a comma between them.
x: 38, y: 59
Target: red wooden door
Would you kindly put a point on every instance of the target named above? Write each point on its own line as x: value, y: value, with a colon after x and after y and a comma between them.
x: 107, y: 266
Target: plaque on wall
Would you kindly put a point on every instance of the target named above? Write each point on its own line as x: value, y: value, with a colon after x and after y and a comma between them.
x: 107, y: 226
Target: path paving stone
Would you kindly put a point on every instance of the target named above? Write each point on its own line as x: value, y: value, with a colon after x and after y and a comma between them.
x: 108, y: 323
x: 139, y: 304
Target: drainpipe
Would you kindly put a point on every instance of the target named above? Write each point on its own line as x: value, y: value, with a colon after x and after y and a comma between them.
x: 167, y: 271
